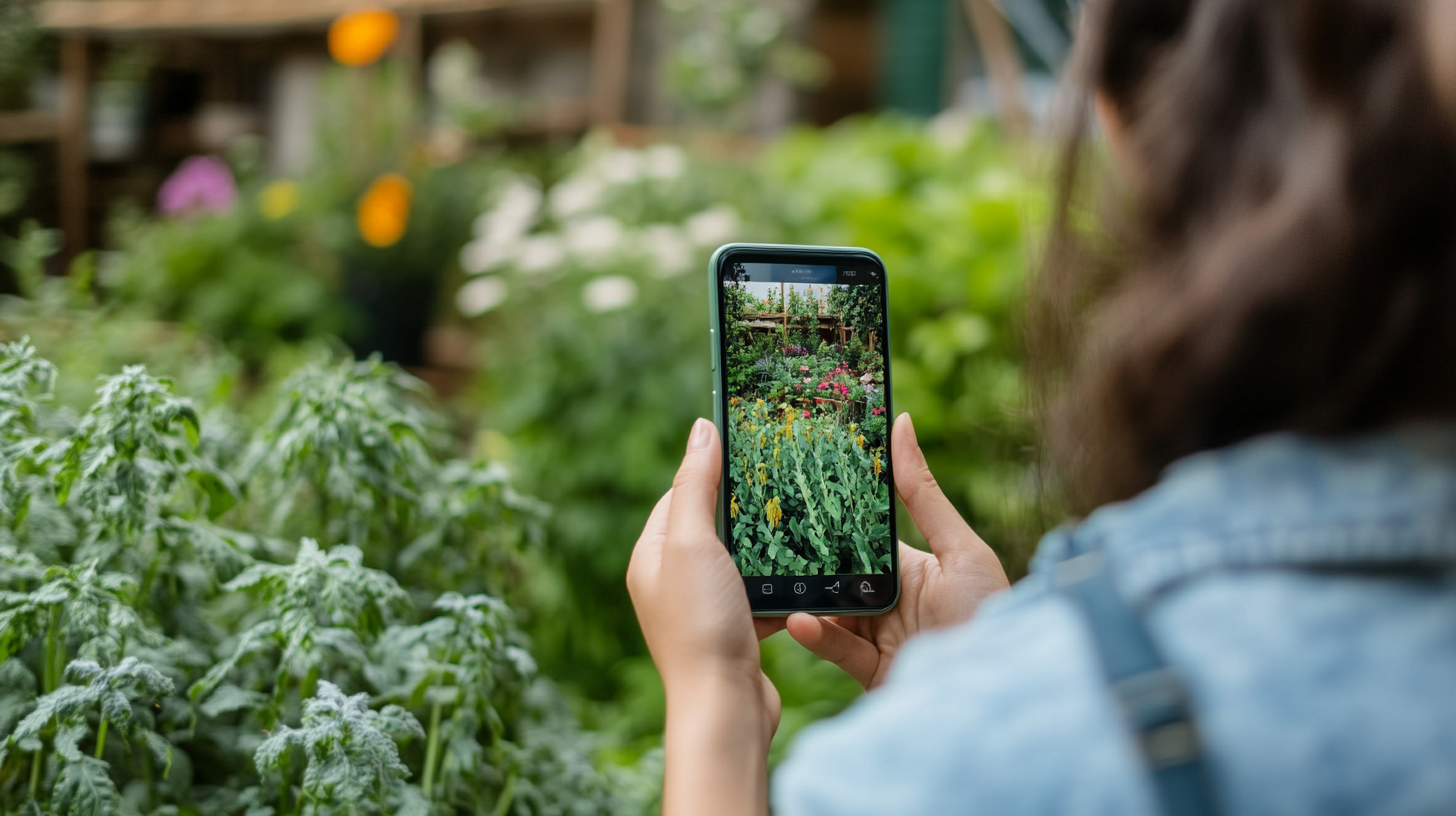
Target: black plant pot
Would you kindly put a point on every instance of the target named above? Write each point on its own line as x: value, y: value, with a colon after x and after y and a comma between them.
x: 392, y: 314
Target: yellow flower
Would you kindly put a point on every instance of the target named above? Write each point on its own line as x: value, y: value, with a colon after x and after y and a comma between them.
x: 758, y: 402
x: 859, y: 440
x: 762, y: 473
x: 760, y: 440
x: 775, y: 513
x: 733, y: 507
x: 776, y: 455
x: 852, y: 427
x: 278, y: 198
x: 877, y: 465
x: 384, y: 210
x: 362, y: 37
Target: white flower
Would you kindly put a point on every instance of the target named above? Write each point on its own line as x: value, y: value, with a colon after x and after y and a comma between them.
x: 575, y: 195
x: 713, y: 226
x: 664, y: 161
x: 481, y: 255
x: 608, y: 293
x: 540, y: 253
x: 513, y: 214
x: 481, y: 295
x: 667, y: 247
x: 594, y: 239
x: 620, y: 166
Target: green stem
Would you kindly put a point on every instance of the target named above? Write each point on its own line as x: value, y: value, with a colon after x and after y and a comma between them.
x: 54, y: 651
x: 432, y: 749
x: 36, y: 760
x: 503, y: 804
x: 101, y: 736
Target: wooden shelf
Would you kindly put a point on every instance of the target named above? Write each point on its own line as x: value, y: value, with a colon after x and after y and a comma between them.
x: 29, y: 126
x: 100, y: 16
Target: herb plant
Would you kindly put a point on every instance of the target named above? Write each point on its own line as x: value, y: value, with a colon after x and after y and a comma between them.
x: 201, y: 619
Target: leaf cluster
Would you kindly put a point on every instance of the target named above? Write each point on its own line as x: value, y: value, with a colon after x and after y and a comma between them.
x: 182, y: 609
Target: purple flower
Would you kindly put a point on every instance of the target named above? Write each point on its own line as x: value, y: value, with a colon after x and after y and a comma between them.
x: 201, y: 184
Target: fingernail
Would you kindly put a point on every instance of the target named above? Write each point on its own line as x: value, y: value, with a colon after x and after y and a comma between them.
x: 701, y: 435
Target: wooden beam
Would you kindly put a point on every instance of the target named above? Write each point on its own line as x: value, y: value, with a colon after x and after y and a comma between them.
x: 75, y: 76
x: 611, y: 60
x: 213, y: 15
x: 1003, y: 62
x: 29, y: 126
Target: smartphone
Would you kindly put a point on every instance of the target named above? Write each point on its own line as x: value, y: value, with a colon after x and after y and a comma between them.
x: 801, y: 366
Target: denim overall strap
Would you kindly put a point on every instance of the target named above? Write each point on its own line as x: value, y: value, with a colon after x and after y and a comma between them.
x: 1152, y: 696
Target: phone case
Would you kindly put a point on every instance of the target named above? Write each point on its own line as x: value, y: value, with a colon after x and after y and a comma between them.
x: 720, y: 399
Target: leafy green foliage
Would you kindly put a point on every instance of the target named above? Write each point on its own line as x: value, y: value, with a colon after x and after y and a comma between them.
x: 808, y: 494
x: 155, y: 558
x: 118, y: 697
x: 348, y: 450
x: 350, y: 749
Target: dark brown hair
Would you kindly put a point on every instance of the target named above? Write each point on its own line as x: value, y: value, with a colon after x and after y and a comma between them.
x: 1282, y: 254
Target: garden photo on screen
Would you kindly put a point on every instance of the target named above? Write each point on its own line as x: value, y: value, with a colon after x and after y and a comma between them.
x: 807, y: 426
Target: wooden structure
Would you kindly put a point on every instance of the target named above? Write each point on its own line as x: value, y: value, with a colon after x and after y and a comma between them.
x: 85, y: 24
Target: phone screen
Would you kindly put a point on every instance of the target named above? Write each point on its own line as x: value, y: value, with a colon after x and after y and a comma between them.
x: 805, y: 406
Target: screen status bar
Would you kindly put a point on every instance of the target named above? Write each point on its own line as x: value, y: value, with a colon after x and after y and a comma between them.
x: 851, y: 275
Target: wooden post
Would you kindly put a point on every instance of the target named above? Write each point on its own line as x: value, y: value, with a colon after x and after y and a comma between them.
x: 784, y: 304
x: 611, y: 60
x: 411, y: 46
x: 1003, y: 63
x: 72, y: 147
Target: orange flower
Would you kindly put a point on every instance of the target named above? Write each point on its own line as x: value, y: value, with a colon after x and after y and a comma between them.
x: 362, y: 37
x: 384, y: 210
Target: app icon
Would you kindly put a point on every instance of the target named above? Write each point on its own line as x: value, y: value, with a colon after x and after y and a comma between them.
x: 800, y: 588
x: 835, y: 588
x: 864, y: 586
x: 768, y: 589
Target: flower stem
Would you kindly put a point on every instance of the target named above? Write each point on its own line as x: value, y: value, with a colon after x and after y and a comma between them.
x: 432, y: 749
x: 53, y: 656
x: 503, y: 804
x: 101, y: 737
x: 36, y: 759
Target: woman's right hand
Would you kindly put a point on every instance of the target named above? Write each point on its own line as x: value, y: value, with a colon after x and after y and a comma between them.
x: 938, y: 588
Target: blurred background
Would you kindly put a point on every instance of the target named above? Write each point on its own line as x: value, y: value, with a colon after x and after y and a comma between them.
x: 516, y: 200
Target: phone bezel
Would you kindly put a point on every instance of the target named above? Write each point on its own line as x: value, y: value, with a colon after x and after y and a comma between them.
x: 792, y: 253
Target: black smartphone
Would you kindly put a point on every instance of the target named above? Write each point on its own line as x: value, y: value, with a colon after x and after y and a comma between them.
x: 801, y: 365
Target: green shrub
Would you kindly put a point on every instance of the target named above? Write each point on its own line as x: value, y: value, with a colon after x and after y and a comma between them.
x: 172, y: 640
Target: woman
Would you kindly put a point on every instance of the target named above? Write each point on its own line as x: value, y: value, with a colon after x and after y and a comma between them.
x: 1260, y: 615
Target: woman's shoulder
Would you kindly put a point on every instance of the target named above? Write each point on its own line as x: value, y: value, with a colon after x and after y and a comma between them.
x: 1007, y: 713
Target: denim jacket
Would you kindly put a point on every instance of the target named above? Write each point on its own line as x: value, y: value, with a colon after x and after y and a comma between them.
x: 1305, y: 589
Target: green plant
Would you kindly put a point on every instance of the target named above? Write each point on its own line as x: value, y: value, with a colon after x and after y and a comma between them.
x: 263, y: 635
x: 808, y: 495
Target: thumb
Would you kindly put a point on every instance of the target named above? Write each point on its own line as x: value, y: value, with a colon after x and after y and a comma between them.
x: 938, y: 520
x: 695, y: 487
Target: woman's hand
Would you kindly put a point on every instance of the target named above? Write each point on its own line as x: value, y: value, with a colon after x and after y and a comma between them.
x: 721, y: 709
x: 938, y: 588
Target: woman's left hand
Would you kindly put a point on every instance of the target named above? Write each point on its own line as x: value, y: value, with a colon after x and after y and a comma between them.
x: 721, y: 709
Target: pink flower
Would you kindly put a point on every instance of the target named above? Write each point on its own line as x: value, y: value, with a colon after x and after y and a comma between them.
x: 799, y: 388
x: 878, y: 411
x: 823, y: 386
x: 803, y: 368
x: 201, y: 184
x: 806, y: 415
